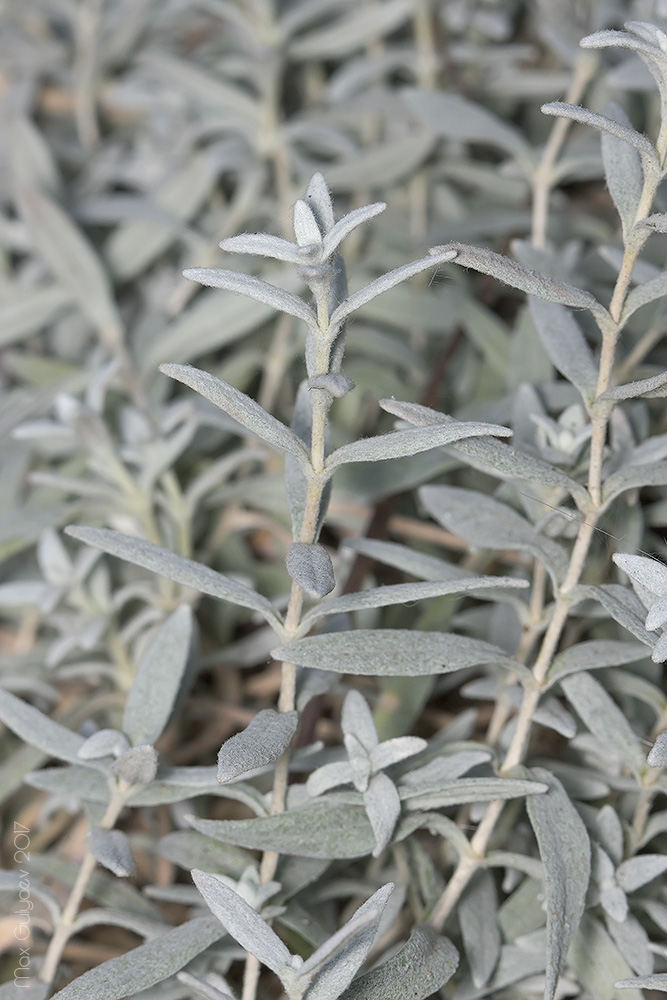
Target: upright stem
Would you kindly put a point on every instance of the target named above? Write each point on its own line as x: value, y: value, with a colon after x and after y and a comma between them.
x: 287, y: 696
x: 600, y: 417
x: 543, y: 177
x: 62, y: 932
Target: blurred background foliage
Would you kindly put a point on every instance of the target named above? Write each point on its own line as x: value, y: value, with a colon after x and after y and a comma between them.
x: 137, y: 134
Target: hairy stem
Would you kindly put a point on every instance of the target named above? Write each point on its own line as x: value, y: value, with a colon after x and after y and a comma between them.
x: 542, y: 178
x: 516, y: 753
x: 63, y: 931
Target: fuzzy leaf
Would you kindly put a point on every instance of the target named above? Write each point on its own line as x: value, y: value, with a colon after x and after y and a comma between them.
x: 332, y: 967
x: 511, y: 273
x: 242, y: 922
x: 153, y: 694
x: 35, y: 728
x: 593, y: 655
x: 463, y: 790
x: 638, y: 871
x: 633, y: 476
x: 111, y: 848
x: 146, y: 965
x: 643, y: 387
x: 311, y: 568
x: 254, y: 288
x: 384, y: 283
x: 391, y: 652
x: 623, y: 171
x: 478, y: 920
x: 187, y: 572
x: 586, y: 117
x: 104, y: 743
x: 261, y: 742
x: 642, y: 294
x: 357, y: 720
x: 596, y: 961
x: 565, y: 345
x: 383, y: 807
x: 658, y: 755
x: 137, y: 766
x: 325, y: 828
x: 348, y: 223
x: 565, y: 852
x: 319, y: 199
x: 306, y: 229
x: 485, y: 522
x: 400, y: 593
x: 410, y: 442
x: 265, y: 245
x: 605, y: 720
x: 456, y: 117
x: 418, y: 970
x: 658, y: 982
x: 72, y: 259
x: 239, y: 406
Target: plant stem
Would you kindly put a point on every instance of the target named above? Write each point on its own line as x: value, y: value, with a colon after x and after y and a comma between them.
x: 516, y: 753
x: 542, y: 178
x: 62, y: 933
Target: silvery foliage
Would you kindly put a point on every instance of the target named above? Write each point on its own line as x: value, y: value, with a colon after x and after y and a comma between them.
x: 364, y: 768
x: 581, y: 886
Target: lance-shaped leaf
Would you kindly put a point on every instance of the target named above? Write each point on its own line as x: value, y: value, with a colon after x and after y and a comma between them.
x: 261, y: 742
x: 311, y: 568
x: 605, y: 720
x: 35, y: 728
x: 112, y: 849
x: 239, y: 406
x: 155, y: 688
x: 324, y: 828
x: 306, y: 228
x: 584, y: 116
x: 72, y: 259
x: 146, y: 965
x: 330, y: 970
x: 658, y: 982
x: 184, y: 571
x: 383, y: 807
x: 635, y: 872
x: 456, y: 117
x: 564, y: 343
x: 265, y: 245
x: 348, y: 223
x: 489, y: 455
x: 511, y: 273
x: 384, y: 283
x: 410, y: 442
x: 485, y: 522
x: 623, y: 171
x: 318, y: 195
x: 243, y: 923
x: 630, y: 477
x: 400, y: 593
x: 565, y: 852
x: 594, y: 655
x: 642, y: 387
x: 478, y: 920
x: 254, y: 288
x: 417, y: 971
x: 642, y: 294
x: 464, y: 790
x: 391, y: 652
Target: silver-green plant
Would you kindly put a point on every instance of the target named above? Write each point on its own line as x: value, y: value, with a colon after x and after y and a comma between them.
x: 412, y: 831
